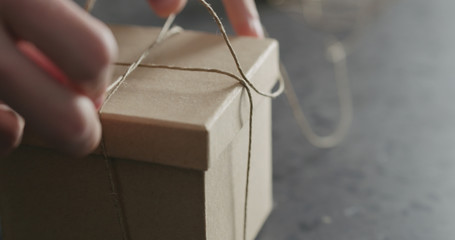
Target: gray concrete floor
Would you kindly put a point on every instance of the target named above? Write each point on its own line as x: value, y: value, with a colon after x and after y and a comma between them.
x: 393, y: 178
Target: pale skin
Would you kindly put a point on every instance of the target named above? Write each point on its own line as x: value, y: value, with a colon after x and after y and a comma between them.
x: 82, y: 49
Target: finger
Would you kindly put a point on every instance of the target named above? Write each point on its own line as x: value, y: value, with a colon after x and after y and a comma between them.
x: 11, y: 127
x: 244, y: 17
x: 164, y: 8
x: 45, y: 64
x: 81, y: 46
x: 60, y: 116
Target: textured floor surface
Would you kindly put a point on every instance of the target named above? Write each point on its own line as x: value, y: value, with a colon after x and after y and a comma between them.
x: 393, y: 178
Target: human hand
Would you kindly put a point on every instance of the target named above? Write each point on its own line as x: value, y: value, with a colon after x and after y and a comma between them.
x: 55, y: 65
x: 242, y: 14
x: 42, y: 41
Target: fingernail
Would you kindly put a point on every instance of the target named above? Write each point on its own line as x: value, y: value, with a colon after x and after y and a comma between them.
x: 99, y: 102
x: 256, y: 27
x: 21, y: 126
x: 11, y: 131
x: 84, y: 134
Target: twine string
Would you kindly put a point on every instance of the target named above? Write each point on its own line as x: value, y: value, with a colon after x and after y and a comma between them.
x: 319, y: 16
x: 114, y: 191
x: 234, y: 54
x: 336, y: 54
x: 243, y: 80
x: 165, y: 33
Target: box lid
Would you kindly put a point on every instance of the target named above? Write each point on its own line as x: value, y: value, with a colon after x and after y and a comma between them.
x: 182, y: 118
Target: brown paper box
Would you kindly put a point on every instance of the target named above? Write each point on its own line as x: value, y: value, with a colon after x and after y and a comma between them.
x: 178, y: 143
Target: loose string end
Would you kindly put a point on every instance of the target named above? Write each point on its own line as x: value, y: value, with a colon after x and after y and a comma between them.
x: 337, y: 56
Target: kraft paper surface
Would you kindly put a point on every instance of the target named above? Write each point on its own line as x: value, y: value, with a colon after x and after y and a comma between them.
x: 182, y: 118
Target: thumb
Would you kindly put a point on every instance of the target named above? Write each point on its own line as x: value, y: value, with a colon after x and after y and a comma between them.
x: 244, y: 17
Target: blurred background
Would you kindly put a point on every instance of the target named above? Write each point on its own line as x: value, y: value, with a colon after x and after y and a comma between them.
x: 393, y: 176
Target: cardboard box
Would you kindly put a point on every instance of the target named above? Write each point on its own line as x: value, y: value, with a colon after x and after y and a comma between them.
x: 178, y: 145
